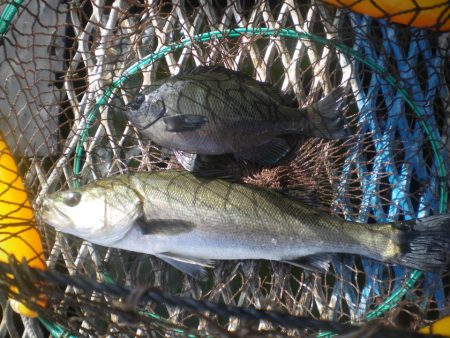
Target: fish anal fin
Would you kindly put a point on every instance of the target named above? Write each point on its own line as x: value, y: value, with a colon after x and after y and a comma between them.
x: 315, y: 263
x: 268, y: 153
x: 184, y: 122
x: 194, y: 267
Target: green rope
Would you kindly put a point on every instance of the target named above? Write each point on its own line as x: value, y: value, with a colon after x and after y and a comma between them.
x: 8, y: 15
x: 431, y: 134
x: 55, y: 330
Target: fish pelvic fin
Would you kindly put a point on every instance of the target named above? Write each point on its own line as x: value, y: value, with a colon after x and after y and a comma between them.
x: 326, y: 116
x: 187, y: 160
x: 423, y: 243
x: 194, y: 267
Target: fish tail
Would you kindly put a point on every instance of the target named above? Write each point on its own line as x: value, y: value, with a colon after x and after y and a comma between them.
x: 424, y: 243
x: 326, y: 116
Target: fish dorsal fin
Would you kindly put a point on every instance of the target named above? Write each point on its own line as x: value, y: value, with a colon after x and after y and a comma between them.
x: 315, y: 263
x: 267, y: 154
x: 194, y: 267
x: 217, y: 69
x: 268, y: 88
x: 184, y: 122
x: 168, y: 227
x: 187, y: 160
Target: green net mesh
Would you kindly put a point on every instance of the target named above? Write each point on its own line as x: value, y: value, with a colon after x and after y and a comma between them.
x: 69, y: 68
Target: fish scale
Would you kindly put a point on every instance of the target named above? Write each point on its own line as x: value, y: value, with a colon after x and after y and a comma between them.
x: 185, y: 219
x: 215, y: 111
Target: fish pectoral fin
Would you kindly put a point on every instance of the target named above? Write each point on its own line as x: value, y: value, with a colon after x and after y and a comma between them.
x: 184, y: 122
x: 194, y: 267
x: 308, y: 197
x: 169, y: 227
x: 187, y: 160
x: 268, y: 153
x: 315, y: 263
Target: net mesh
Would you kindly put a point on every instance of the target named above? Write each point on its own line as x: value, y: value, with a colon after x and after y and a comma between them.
x: 69, y: 68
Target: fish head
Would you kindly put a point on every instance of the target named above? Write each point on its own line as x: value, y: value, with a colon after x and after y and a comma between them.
x: 145, y: 110
x: 101, y: 212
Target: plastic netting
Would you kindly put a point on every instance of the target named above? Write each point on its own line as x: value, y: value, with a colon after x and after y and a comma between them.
x: 69, y: 68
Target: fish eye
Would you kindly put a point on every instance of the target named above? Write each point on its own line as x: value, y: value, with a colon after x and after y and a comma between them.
x: 72, y: 198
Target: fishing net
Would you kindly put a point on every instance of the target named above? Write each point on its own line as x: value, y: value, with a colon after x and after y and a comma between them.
x: 69, y: 68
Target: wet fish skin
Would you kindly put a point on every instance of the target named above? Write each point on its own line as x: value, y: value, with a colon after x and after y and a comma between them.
x: 214, y: 110
x: 190, y: 221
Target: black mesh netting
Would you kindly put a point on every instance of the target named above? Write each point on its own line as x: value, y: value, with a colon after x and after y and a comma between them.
x: 69, y: 68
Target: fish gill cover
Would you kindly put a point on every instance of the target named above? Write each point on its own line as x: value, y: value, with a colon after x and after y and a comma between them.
x: 71, y: 68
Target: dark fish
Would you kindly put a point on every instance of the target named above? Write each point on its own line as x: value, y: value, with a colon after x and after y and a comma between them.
x: 214, y: 110
x: 190, y: 221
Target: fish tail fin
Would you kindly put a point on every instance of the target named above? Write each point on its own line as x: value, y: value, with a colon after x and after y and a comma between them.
x: 326, y: 116
x: 424, y: 243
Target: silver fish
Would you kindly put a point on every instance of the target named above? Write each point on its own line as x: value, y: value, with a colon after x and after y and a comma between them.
x: 189, y: 222
x: 214, y: 110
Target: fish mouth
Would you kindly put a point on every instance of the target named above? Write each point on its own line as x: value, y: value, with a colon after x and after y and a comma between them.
x: 138, y: 101
x: 51, y: 215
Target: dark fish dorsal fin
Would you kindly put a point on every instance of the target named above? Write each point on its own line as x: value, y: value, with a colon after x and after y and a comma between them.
x: 164, y: 226
x: 217, y: 69
x: 184, y: 122
x: 194, y: 267
x: 270, y: 89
